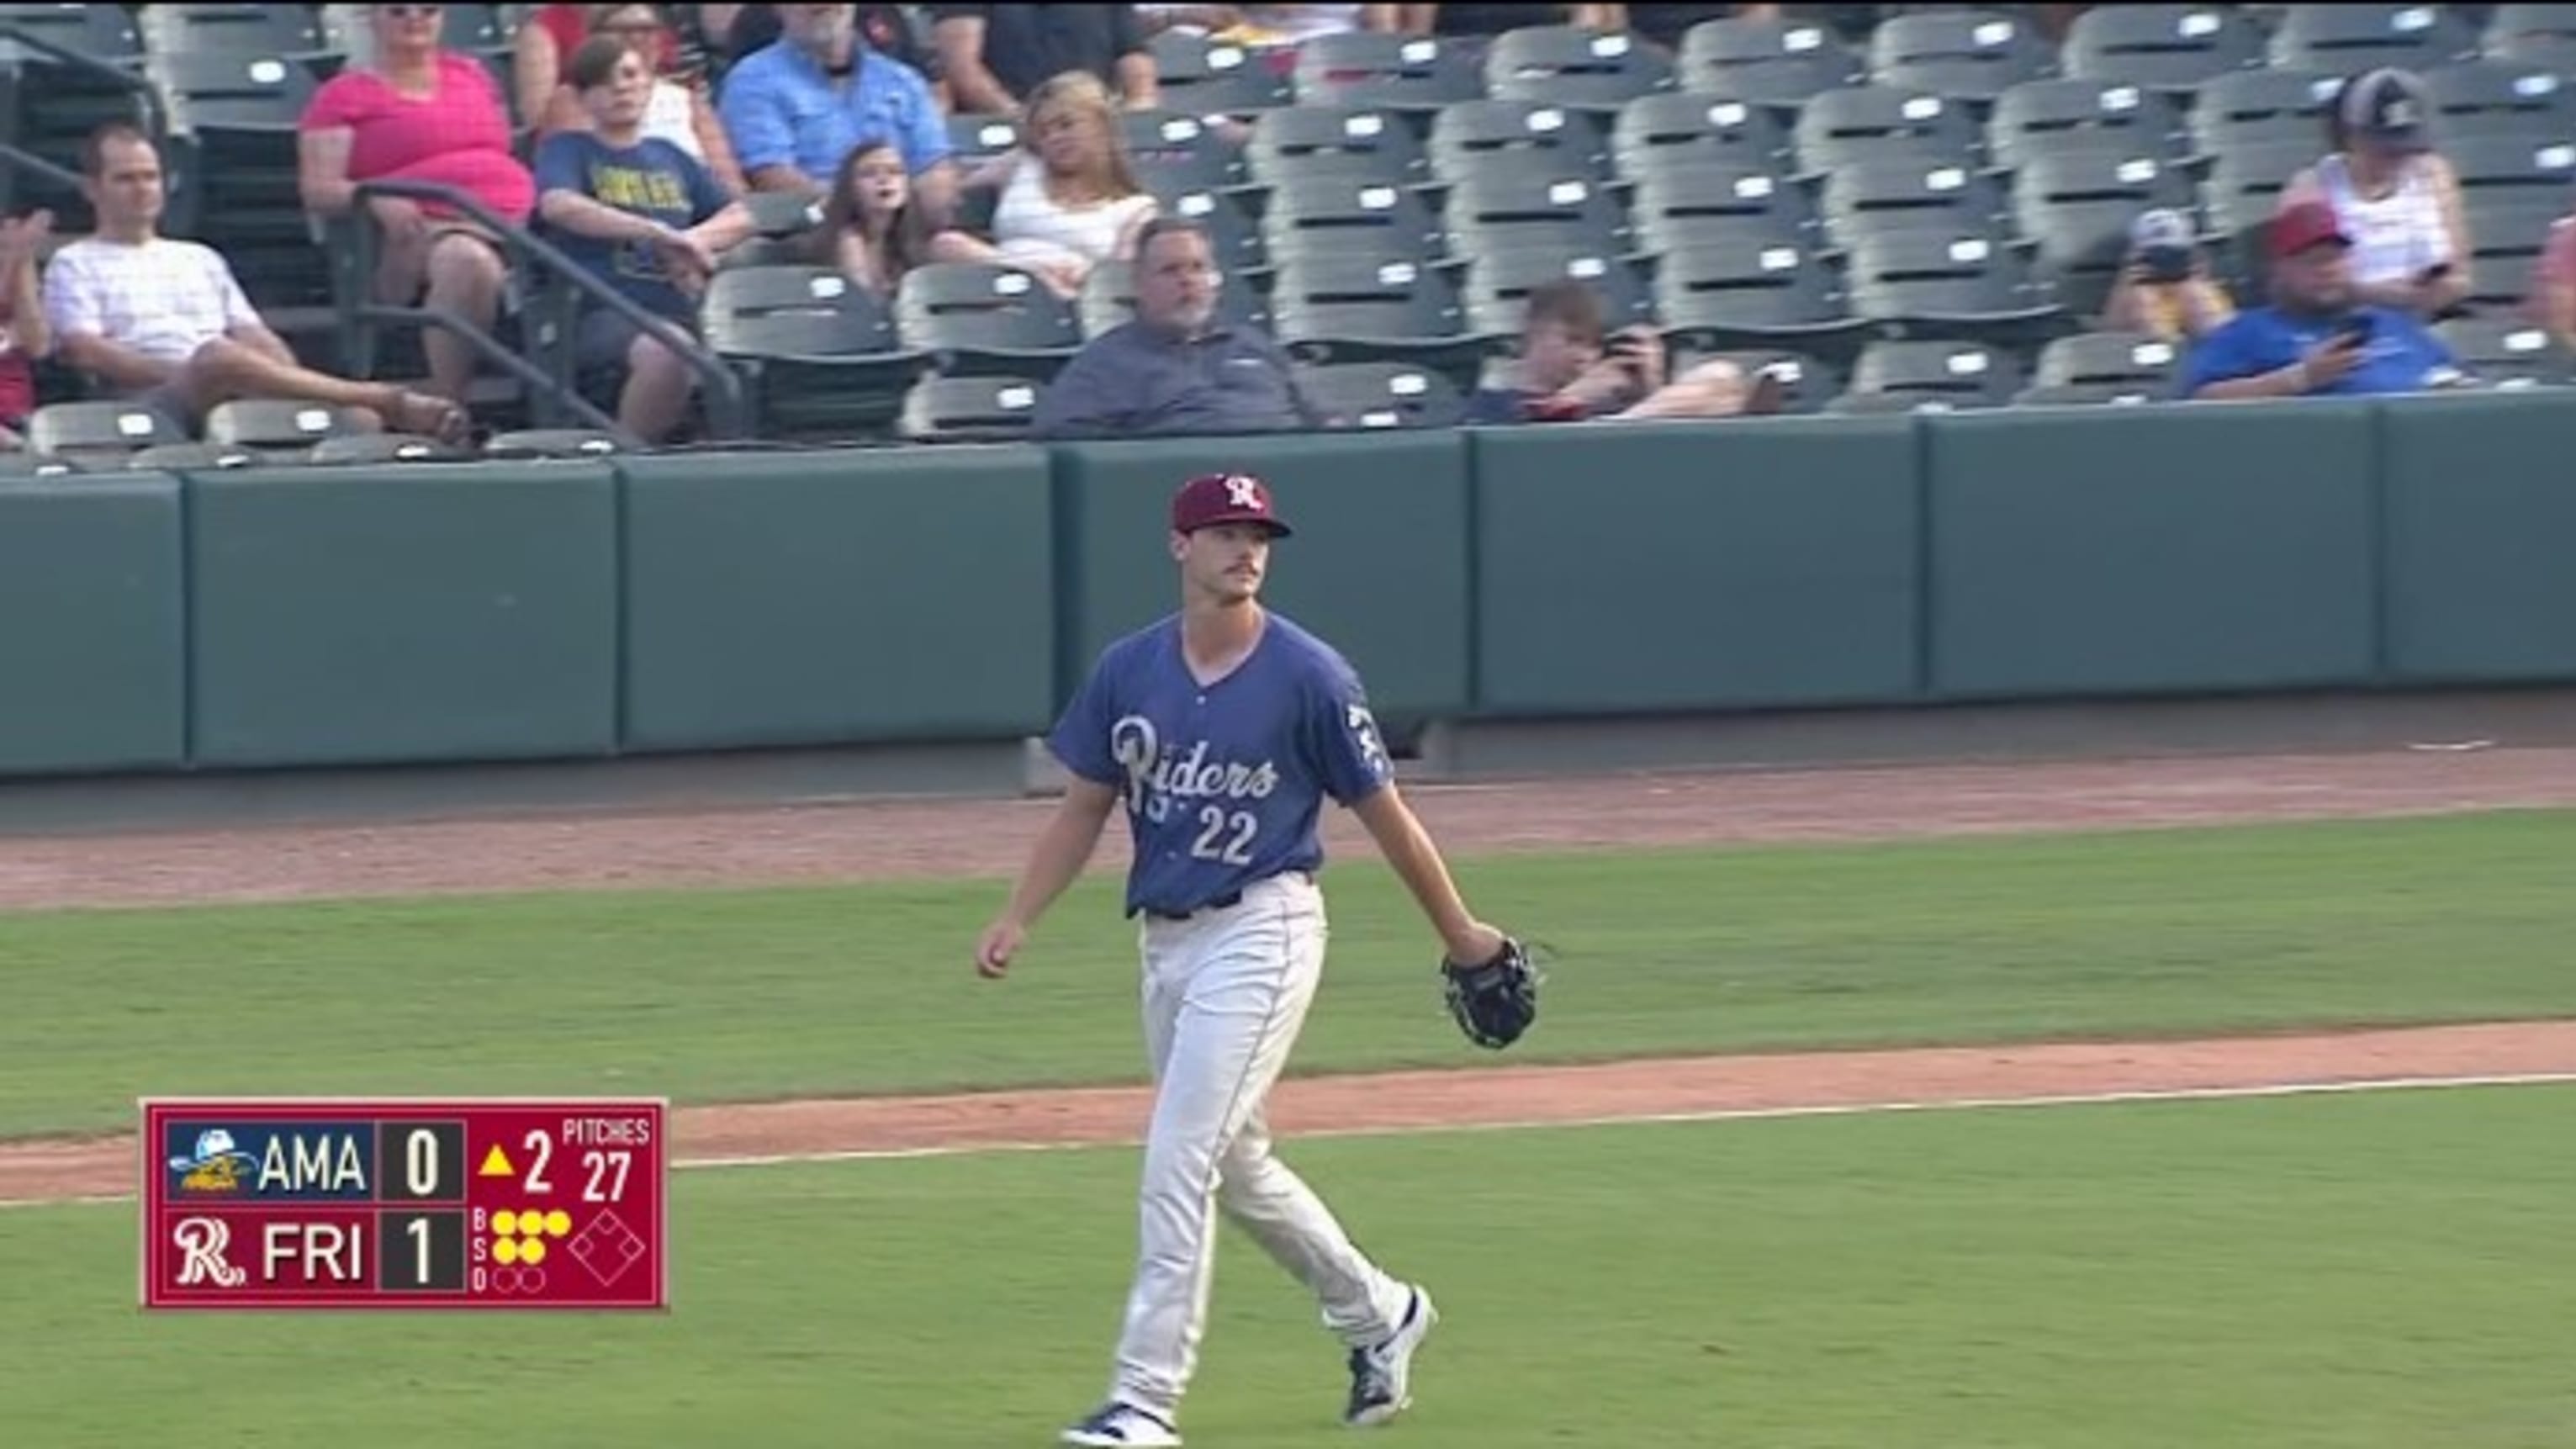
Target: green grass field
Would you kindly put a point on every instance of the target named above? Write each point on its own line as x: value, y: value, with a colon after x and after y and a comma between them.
x: 2382, y: 1272
x: 2390, y: 1270
x: 732, y: 995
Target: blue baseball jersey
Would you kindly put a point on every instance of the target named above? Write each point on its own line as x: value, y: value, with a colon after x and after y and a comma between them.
x: 1223, y: 783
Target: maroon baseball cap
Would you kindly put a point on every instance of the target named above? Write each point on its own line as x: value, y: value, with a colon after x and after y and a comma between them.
x: 2304, y: 225
x: 1214, y: 498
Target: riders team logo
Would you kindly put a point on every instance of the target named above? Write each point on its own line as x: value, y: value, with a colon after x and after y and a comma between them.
x: 215, y: 1167
x: 1156, y: 777
x: 1242, y: 492
x: 201, y: 1243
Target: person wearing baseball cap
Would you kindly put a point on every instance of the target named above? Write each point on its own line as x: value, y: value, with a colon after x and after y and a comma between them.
x: 2165, y: 289
x: 2316, y: 335
x: 2394, y: 194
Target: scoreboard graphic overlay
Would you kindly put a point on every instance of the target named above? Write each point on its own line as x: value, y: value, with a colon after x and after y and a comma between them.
x: 477, y: 1203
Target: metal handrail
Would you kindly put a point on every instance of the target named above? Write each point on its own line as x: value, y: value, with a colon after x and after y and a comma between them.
x: 92, y: 65
x: 728, y: 414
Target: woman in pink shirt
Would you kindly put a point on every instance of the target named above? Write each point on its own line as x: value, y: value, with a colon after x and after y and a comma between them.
x: 420, y: 113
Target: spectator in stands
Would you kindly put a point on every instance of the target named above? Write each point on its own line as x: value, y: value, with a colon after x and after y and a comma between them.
x: 2395, y: 196
x: 1175, y: 368
x: 798, y: 107
x: 2317, y: 335
x: 997, y: 54
x: 872, y: 233
x: 678, y: 112
x: 1567, y: 371
x: 25, y: 336
x: 541, y: 61
x: 165, y: 322
x: 727, y: 33
x: 645, y: 217
x: 421, y: 113
x: 1070, y: 198
x: 2553, y: 282
x: 2165, y: 288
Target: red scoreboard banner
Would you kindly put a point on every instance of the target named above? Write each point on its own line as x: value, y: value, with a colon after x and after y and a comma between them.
x: 492, y: 1203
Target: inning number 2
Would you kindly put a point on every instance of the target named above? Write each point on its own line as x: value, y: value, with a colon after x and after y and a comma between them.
x: 1216, y: 843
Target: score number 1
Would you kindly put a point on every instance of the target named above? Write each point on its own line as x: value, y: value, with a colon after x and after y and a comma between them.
x: 604, y: 1165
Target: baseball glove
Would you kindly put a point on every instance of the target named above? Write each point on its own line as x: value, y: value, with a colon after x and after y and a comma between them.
x: 1494, y: 1001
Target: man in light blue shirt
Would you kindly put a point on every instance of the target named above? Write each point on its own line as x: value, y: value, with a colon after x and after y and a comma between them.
x: 796, y: 108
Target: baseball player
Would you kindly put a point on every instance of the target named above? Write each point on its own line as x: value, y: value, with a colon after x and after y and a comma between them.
x: 1222, y: 728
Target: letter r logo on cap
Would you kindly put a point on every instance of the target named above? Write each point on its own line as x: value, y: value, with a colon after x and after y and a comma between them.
x: 1242, y: 492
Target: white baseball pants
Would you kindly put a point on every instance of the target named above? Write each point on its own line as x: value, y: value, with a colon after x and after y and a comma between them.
x: 1225, y: 996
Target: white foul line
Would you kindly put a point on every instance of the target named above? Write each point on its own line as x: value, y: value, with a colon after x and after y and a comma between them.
x: 1724, y: 1114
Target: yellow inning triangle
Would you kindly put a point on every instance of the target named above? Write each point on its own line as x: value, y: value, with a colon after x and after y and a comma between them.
x: 496, y: 1163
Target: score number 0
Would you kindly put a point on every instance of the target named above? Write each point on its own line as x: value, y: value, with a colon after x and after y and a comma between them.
x: 609, y: 1166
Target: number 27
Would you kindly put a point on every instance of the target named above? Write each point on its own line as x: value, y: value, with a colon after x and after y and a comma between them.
x: 1213, y: 823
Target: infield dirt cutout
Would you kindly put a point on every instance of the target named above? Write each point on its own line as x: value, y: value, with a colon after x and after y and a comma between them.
x: 854, y: 842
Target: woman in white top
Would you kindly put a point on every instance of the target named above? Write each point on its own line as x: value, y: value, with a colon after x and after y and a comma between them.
x: 1069, y: 198
x: 2397, y: 198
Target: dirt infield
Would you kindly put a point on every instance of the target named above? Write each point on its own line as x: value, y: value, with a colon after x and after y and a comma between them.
x: 859, y: 842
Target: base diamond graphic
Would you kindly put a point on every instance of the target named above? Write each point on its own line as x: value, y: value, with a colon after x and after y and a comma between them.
x: 607, y: 1248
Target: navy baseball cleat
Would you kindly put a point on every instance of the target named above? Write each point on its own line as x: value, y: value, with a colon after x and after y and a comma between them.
x: 1381, y: 1386
x: 1121, y: 1426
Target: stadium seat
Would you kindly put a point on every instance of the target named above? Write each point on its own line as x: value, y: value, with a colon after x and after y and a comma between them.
x: 1371, y: 395
x: 1477, y: 134
x: 206, y: 457
x: 977, y: 317
x: 1674, y: 205
x: 526, y: 444
x: 2511, y: 165
x: 1960, y: 373
x: 1655, y: 132
x: 2498, y: 98
x: 782, y: 213
x: 101, y: 430
x: 2534, y: 35
x: 1388, y: 72
x: 384, y: 448
x: 1534, y: 210
x: 232, y: 148
x: 1855, y: 403
x: 50, y: 106
x: 1962, y: 284
x: 2050, y: 117
x: 2262, y: 108
x: 1240, y: 246
x: 2353, y: 36
x: 1874, y: 122
x: 1967, y: 55
x: 819, y: 357
x: 1328, y: 309
x: 1200, y: 76
x: 2508, y: 349
x: 1335, y: 143
x: 975, y: 139
x: 1496, y: 292
x: 1725, y: 292
x: 1173, y: 151
x: 1566, y: 65
x: 992, y: 408
x: 2088, y: 394
x: 2164, y: 48
x: 1807, y: 383
x: 2137, y: 359
x: 208, y: 30
x: 276, y: 427
x: 1867, y: 198
x: 2507, y: 233
x: 1383, y: 223
x: 2095, y: 192
x: 1775, y: 63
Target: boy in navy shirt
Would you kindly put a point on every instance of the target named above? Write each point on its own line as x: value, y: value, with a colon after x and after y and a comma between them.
x: 2313, y: 339
x: 1222, y: 729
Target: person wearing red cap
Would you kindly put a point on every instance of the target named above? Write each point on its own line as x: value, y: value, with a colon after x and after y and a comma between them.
x: 2315, y: 335
x: 1223, y: 728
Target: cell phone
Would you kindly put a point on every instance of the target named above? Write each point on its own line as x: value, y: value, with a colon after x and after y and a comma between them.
x: 2358, y: 326
x: 2434, y: 273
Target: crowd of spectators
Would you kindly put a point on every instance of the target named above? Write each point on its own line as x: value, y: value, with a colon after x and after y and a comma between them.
x: 636, y: 138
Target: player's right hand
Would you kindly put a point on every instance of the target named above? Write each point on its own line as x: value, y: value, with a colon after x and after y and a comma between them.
x: 993, y: 951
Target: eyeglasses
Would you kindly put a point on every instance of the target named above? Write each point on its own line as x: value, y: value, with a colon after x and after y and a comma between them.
x: 413, y: 12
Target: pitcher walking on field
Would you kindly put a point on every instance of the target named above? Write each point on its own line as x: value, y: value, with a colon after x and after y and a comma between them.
x: 1221, y: 728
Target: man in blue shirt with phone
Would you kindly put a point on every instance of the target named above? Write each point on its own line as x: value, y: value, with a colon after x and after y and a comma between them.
x: 2312, y: 339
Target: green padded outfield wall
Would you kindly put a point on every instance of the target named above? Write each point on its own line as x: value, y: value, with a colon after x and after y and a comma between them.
x: 408, y: 612
x: 93, y: 624
x: 2202, y: 546
x: 2480, y: 509
x: 1639, y: 567
x: 1378, y: 565
x: 790, y: 598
